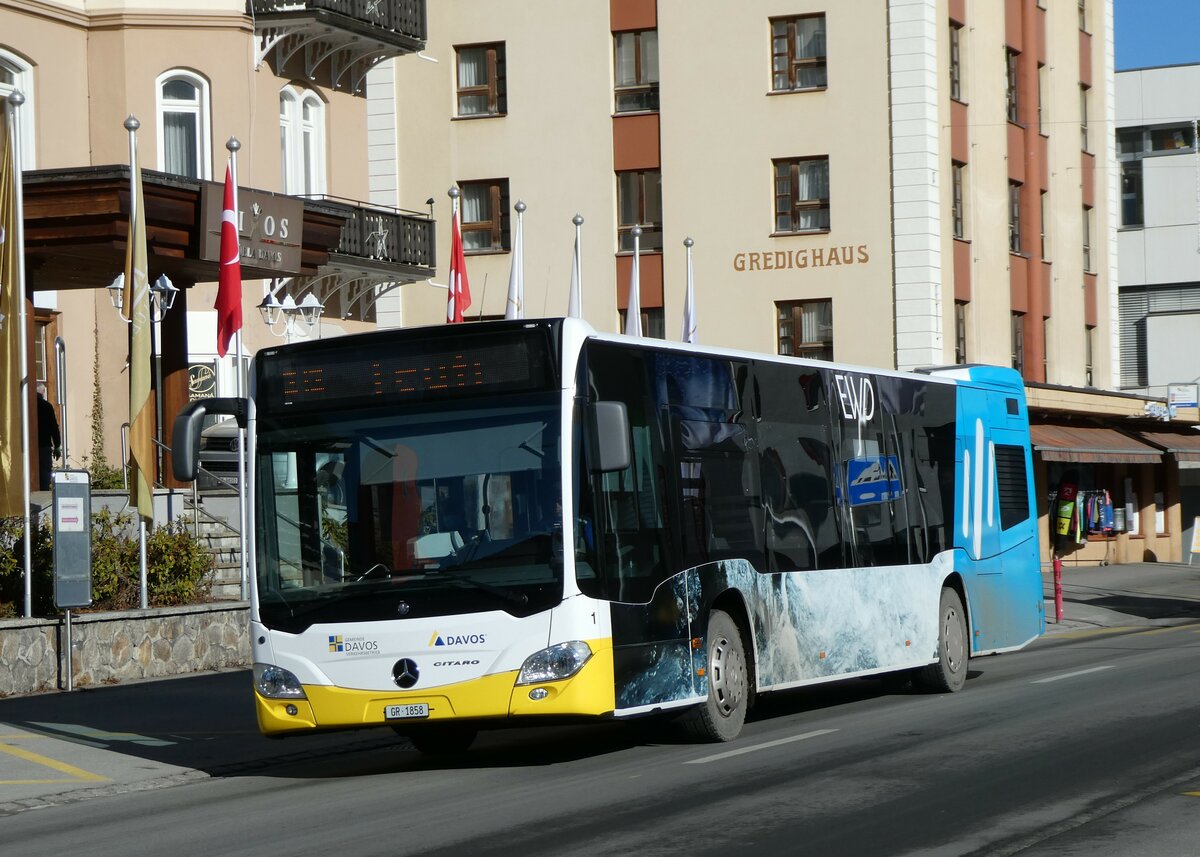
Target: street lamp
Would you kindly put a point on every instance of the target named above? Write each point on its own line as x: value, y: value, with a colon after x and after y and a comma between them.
x: 273, y: 311
x: 162, y: 298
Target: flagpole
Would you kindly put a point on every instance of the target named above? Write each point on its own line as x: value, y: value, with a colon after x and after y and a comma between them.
x: 574, y: 302
x: 633, y: 310
x: 131, y: 126
x: 515, y: 307
x: 233, y: 145
x: 689, y: 299
x: 452, y: 298
x: 16, y: 98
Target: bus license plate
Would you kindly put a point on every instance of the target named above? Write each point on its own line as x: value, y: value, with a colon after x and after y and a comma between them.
x: 408, y: 711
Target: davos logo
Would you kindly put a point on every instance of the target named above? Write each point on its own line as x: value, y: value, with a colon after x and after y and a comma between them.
x: 352, y: 645
x: 457, y: 639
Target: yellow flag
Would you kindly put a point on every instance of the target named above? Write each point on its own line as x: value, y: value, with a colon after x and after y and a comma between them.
x: 137, y: 305
x: 12, y: 461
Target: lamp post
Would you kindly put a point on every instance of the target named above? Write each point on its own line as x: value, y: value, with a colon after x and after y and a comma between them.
x: 162, y: 298
x: 289, y: 312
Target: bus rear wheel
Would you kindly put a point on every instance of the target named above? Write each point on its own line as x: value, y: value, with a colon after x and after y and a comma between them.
x: 721, y: 716
x: 442, y: 740
x: 949, y: 672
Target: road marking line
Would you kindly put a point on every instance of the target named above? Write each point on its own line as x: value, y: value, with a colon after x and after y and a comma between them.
x: 62, y: 767
x: 765, y: 746
x: 1071, y: 675
x: 1192, y: 794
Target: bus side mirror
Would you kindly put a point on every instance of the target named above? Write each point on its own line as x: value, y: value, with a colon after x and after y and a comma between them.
x: 610, y: 436
x: 185, y: 434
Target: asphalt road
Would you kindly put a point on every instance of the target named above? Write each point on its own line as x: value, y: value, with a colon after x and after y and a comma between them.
x: 1085, y: 743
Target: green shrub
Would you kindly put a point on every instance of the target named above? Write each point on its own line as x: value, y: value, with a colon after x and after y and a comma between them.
x: 178, y: 569
x: 12, y: 560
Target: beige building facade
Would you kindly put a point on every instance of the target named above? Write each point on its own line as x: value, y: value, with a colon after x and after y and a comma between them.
x: 840, y: 164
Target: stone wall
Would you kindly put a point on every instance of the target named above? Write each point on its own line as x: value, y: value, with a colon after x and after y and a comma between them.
x: 109, y: 648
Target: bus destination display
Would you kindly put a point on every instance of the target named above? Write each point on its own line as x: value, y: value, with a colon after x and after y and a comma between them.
x: 410, y: 371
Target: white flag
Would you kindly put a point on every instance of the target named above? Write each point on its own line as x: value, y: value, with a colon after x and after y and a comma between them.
x: 516, y: 277
x: 689, y: 302
x: 633, y: 313
x: 573, y: 303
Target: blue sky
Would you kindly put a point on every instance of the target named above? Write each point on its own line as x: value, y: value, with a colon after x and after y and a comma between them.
x: 1156, y: 32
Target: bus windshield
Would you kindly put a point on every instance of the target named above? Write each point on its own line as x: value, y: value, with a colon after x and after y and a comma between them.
x: 410, y: 511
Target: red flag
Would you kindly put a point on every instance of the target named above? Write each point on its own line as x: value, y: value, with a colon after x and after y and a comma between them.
x: 460, y: 290
x: 229, y: 284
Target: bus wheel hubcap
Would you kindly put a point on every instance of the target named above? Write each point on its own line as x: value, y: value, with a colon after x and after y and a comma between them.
x: 728, y: 676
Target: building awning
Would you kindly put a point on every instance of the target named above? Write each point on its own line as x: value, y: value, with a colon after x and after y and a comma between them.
x: 1184, y: 445
x: 1091, y: 444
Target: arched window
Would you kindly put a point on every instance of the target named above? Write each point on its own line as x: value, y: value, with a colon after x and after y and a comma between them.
x: 183, y: 120
x: 15, y: 73
x: 302, y: 141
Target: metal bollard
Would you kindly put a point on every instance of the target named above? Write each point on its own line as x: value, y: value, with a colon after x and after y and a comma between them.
x: 1058, y: 600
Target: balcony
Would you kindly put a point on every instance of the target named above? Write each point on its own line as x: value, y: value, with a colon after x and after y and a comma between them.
x: 335, y: 42
x: 379, y: 249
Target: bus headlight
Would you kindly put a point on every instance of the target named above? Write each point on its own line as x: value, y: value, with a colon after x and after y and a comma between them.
x: 555, y: 663
x: 276, y: 683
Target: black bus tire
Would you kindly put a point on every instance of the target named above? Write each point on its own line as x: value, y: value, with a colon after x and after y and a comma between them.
x: 949, y: 673
x: 721, y: 716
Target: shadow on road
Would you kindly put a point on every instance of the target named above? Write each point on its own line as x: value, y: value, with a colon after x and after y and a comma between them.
x: 207, y: 723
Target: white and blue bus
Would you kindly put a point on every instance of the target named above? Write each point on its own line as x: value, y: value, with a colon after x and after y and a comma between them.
x: 469, y: 526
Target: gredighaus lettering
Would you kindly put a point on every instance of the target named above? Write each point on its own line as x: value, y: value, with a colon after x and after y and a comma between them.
x: 817, y: 257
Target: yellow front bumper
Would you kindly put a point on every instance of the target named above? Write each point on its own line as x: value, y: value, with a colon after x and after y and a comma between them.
x: 588, y: 692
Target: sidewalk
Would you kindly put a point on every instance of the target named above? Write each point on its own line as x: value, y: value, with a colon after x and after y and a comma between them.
x: 1123, y: 596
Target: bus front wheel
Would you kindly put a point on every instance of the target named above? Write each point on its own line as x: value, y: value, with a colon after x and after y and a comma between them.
x: 949, y: 672
x: 721, y: 716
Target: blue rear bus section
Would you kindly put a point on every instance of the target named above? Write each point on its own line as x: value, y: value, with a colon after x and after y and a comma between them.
x: 996, y: 542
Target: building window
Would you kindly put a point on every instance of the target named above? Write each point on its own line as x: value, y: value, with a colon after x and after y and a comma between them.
x: 1173, y: 138
x: 1042, y: 84
x: 1018, y: 342
x: 482, y: 90
x: 805, y: 328
x: 1011, y: 84
x: 302, y: 141
x: 15, y: 73
x: 653, y: 322
x: 636, y: 70
x: 798, y: 53
x: 1046, y: 340
x: 639, y: 203
x: 960, y: 331
x: 802, y: 194
x: 956, y: 76
x: 183, y: 147
x: 1131, y: 193
x: 1089, y: 334
x: 1045, y: 224
x: 1087, y: 240
x: 1014, y: 217
x: 1138, y: 142
x: 958, y: 203
x: 1083, y: 24
x: 485, y: 220
x: 40, y: 362
x: 1083, y: 119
